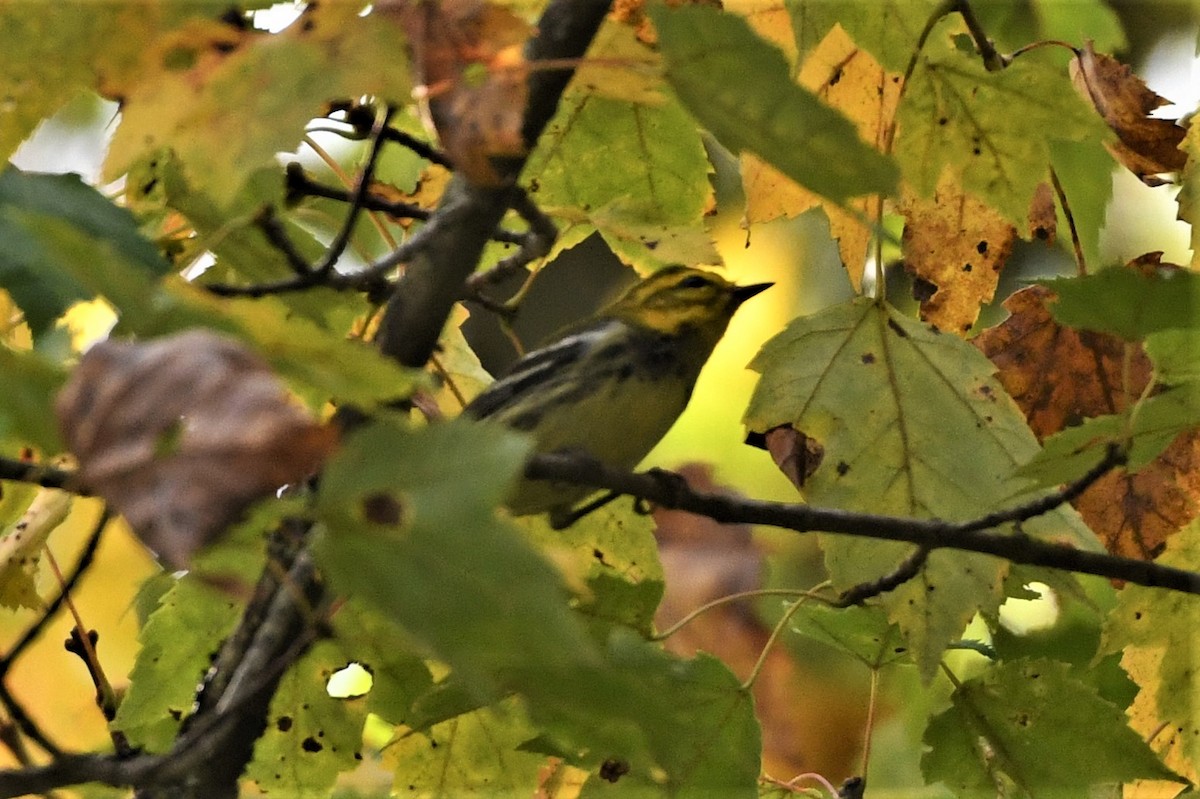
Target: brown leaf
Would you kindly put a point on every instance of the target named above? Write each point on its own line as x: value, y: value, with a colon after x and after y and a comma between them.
x: 181, y: 434
x: 796, y: 454
x: 1061, y: 376
x: 852, y: 81
x: 955, y: 245
x: 704, y: 560
x: 1135, y: 513
x: 1147, y: 146
x: 1057, y: 375
x: 468, y: 56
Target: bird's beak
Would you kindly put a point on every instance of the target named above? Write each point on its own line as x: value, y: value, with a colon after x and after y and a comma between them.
x: 743, y: 293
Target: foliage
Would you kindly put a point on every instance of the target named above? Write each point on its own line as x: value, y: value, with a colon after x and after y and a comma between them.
x: 278, y: 189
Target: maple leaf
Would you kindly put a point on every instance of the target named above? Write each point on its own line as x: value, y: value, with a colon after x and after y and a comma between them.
x: 993, y: 129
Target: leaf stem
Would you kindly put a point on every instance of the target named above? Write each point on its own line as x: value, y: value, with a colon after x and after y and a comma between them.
x: 755, y: 594
x: 770, y: 644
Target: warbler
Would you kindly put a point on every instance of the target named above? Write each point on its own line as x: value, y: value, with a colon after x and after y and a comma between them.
x: 613, y: 384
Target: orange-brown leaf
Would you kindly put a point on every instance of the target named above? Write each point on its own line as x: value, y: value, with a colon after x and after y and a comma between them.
x: 1147, y: 146
x: 1060, y: 376
x: 1057, y: 375
x: 1135, y: 513
x: 955, y: 247
x: 182, y: 433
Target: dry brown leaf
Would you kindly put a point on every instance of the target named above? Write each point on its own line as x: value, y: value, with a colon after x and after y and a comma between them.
x: 181, y: 434
x: 1134, y: 514
x: 852, y: 81
x: 1061, y: 376
x: 704, y: 560
x: 1147, y: 146
x: 1043, y: 215
x: 954, y: 246
x: 1057, y: 375
x: 468, y: 57
x: 796, y: 454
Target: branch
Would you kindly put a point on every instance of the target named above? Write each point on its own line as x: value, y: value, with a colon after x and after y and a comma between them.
x: 40, y: 474
x: 421, y: 302
x: 670, y: 491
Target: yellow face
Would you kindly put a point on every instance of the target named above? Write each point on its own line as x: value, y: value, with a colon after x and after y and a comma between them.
x: 679, y: 297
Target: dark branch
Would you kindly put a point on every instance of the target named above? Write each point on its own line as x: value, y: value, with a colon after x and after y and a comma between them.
x: 929, y: 533
x: 40, y: 474
x: 908, y: 568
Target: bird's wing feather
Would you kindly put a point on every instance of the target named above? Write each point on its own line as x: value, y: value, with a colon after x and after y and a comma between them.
x: 537, y: 370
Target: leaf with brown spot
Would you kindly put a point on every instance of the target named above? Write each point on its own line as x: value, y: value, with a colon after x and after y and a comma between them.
x: 851, y: 80
x: 957, y: 245
x: 1147, y: 146
x: 181, y: 434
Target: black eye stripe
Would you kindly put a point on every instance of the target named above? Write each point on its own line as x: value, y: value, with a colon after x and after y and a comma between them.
x: 693, y: 282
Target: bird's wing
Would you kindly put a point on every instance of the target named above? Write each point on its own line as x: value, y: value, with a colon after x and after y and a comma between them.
x: 539, y: 370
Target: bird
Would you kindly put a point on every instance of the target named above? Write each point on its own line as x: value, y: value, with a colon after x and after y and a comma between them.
x: 613, y: 384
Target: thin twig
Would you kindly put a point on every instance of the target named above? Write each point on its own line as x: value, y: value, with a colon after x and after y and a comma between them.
x: 905, y: 571
x: 86, y: 556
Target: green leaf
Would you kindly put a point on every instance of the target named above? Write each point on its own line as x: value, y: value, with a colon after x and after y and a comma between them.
x: 1014, y: 23
x: 310, y: 735
x: 321, y: 364
x: 1175, y: 354
x: 398, y: 675
x: 1016, y: 730
x: 27, y: 401
x: 1084, y: 168
x: 177, y: 646
x: 62, y: 241
x: 1189, y: 189
x: 613, y: 554
x: 993, y: 129
x: 1126, y: 302
x: 650, y: 210
x: 203, y: 98
x: 863, y: 632
x: 699, y: 722
x: 887, y: 29
x: 413, y: 533
x: 709, y: 55
x: 475, y: 754
x: 1165, y: 622
x: 911, y: 423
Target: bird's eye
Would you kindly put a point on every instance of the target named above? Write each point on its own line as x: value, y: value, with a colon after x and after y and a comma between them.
x: 693, y: 282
